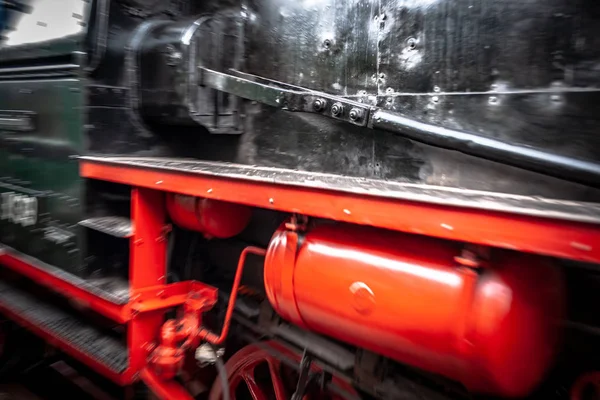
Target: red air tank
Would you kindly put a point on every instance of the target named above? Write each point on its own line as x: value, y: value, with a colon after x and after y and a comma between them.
x: 404, y: 296
x: 213, y: 218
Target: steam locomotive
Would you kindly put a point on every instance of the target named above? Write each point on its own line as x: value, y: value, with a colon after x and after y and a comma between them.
x: 304, y: 199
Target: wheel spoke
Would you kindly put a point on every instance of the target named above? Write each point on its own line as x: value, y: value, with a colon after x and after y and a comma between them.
x: 278, y: 387
x: 255, y: 391
x: 242, y: 369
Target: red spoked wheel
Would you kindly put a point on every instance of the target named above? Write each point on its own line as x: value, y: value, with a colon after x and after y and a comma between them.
x: 257, y: 372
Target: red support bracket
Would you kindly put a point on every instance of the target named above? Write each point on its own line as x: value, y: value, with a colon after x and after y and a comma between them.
x: 147, y: 269
x: 161, y: 297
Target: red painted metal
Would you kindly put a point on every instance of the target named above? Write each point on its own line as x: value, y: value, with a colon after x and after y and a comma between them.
x: 213, y: 218
x: 116, y: 312
x: 164, y: 390
x: 587, y: 383
x: 559, y: 238
x: 149, y: 294
x: 63, y: 345
x: 167, y: 359
x: 242, y: 370
x: 147, y: 268
x: 205, y: 334
x: 171, y: 295
x: 146, y: 299
x: 405, y: 297
x: 178, y: 336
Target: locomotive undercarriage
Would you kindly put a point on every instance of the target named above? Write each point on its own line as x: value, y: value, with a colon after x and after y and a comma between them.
x: 338, y: 200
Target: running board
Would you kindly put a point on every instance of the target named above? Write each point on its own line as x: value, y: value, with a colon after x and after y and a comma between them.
x: 557, y: 228
x: 72, y: 335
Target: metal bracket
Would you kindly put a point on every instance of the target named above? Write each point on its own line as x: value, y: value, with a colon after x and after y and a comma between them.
x: 306, y: 379
x: 294, y: 98
x: 285, y: 96
x: 166, y: 296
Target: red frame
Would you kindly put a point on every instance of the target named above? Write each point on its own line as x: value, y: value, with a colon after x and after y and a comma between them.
x: 150, y: 296
x: 147, y: 268
x: 552, y: 237
x: 115, y: 312
x: 65, y: 346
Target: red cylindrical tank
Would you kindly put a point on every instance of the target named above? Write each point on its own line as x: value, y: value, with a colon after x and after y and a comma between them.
x: 404, y: 296
x: 213, y: 218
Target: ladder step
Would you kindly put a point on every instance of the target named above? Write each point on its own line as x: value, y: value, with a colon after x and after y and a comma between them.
x: 120, y: 227
x: 103, y: 348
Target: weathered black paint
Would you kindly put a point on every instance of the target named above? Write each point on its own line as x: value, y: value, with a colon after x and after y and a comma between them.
x: 517, y: 72
x: 522, y: 73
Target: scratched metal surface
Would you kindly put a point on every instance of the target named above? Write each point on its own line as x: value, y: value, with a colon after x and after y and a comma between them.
x: 521, y: 71
x: 525, y: 72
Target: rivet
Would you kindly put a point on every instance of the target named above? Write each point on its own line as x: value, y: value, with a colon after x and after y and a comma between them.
x: 412, y: 43
x: 271, y: 200
x: 319, y: 104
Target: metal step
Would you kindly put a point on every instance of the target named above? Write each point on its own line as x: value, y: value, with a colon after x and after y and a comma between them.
x: 114, y: 289
x: 86, y: 338
x: 120, y: 227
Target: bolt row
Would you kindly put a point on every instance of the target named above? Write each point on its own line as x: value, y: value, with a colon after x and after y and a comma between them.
x: 337, y: 110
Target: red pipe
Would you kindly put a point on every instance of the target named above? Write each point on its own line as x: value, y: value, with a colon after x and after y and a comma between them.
x: 177, y: 336
x: 205, y: 334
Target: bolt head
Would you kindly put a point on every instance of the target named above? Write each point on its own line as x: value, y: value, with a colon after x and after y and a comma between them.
x: 319, y: 104
x: 337, y: 109
x: 355, y: 114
